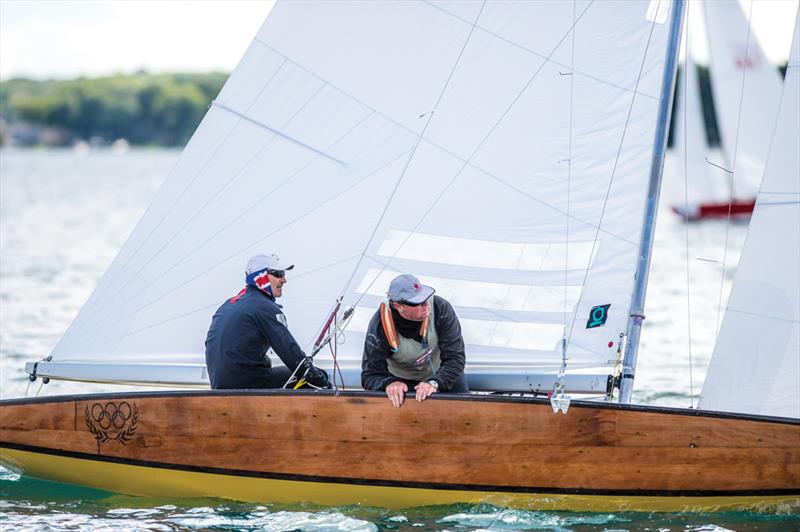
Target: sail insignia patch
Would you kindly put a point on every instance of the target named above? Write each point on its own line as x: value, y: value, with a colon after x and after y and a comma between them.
x: 598, y: 316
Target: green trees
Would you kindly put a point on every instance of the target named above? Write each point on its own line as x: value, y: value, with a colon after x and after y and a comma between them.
x: 162, y: 109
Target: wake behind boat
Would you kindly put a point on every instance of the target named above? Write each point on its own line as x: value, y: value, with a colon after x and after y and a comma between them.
x: 516, y: 170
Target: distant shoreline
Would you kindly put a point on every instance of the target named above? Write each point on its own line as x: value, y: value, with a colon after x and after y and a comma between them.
x: 126, y: 109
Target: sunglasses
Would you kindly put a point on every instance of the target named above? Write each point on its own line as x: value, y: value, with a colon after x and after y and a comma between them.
x: 406, y: 303
x: 280, y: 274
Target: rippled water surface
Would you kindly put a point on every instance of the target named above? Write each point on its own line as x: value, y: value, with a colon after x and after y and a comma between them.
x: 64, y: 215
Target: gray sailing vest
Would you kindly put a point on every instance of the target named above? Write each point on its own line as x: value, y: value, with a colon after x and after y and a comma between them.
x: 413, y: 360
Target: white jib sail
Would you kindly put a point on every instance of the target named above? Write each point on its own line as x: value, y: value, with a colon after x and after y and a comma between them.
x: 498, y: 150
x: 756, y: 363
x: 747, y: 91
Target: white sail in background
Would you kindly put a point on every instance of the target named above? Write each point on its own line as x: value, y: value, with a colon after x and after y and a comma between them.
x: 747, y: 90
x: 500, y: 151
x: 756, y: 363
x: 691, y: 146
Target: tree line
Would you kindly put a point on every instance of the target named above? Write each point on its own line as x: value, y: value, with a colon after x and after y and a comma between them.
x: 144, y: 109
x: 151, y: 109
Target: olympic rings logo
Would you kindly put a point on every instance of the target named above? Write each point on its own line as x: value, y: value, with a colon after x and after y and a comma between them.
x: 112, y: 421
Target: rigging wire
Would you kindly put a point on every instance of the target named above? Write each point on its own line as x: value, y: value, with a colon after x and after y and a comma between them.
x: 686, y: 201
x: 733, y: 170
x: 563, y: 369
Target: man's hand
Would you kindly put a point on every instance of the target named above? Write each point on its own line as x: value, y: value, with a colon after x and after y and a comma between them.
x: 397, y: 392
x: 424, y: 390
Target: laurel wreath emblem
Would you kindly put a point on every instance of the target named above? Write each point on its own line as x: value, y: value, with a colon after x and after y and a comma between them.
x: 112, y: 421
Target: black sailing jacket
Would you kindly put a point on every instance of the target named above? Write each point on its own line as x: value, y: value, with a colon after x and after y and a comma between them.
x: 374, y: 369
x: 241, y: 332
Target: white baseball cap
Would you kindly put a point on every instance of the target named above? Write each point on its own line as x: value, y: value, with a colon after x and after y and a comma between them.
x: 264, y: 262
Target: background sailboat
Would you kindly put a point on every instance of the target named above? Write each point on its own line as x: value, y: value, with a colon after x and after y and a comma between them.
x: 746, y: 88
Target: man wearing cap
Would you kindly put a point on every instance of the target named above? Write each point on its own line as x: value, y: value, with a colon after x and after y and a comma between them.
x: 414, y: 341
x: 247, y: 325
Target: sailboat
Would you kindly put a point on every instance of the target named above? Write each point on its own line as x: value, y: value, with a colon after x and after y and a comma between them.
x: 746, y: 88
x: 509, y: 154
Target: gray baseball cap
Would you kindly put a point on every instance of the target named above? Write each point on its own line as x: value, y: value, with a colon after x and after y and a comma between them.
x: 406, y: 288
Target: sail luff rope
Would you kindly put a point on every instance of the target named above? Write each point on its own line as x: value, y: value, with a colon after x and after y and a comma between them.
x: 686, y: 202
x: 408, y: 161
x: 474, y: 152
x: 614, y: 168
x: 733, y: 170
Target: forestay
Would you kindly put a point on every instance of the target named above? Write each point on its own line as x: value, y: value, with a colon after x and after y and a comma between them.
x: 498, y: 150
x: 747, y: 91
x: 756, y: 363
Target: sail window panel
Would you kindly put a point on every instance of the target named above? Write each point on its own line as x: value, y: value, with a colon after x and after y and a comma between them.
x: 485, y: 253
x: 252, y: 76
x: 371, y: 50
x: 481, y: 294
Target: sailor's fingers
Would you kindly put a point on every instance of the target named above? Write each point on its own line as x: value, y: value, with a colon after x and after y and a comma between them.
x: 396, y: 393
x: 424, y: 390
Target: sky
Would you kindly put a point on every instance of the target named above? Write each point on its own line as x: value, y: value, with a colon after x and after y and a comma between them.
x: 66, y: 38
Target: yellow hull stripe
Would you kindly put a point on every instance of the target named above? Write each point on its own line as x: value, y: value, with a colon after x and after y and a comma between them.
x: 170, y: 483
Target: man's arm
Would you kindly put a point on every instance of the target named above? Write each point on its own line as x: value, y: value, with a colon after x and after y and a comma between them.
x: 281, y: 340
x: 374, y: 368
x: 451, y: 343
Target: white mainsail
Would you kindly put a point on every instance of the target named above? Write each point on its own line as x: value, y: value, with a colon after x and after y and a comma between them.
x: 747, y: 90
x: 756, y: 363
x: 500, y: 151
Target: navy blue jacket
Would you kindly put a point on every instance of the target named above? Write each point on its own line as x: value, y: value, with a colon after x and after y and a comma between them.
x: 241, y: 332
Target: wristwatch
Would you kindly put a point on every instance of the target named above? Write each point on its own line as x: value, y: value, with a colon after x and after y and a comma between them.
x: 434, y: 383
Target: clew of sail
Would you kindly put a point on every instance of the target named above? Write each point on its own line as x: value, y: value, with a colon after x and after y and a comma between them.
x: 755, y: 367
x: 500, y: 151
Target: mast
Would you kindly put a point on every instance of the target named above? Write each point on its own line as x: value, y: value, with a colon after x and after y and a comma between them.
x: 651, y: 208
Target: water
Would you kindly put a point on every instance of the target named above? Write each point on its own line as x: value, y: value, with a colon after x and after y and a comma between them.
x: 64, y: 215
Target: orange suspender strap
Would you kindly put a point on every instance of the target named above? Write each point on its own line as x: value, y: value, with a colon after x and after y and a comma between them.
x: 388, y: 327
x: 423, y: 328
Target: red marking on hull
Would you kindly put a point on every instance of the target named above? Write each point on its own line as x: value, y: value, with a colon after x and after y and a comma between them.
x: 709, y: 211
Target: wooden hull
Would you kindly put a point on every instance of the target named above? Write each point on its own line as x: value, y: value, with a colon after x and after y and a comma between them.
x: 276, y: 446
